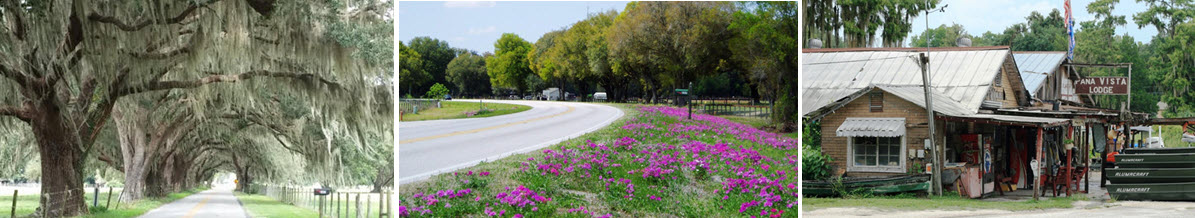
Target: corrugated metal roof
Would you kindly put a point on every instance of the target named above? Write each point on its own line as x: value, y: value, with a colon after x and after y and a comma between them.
x: 962, y: 76
x: 1035, y: 67
x: 916, y: 95
x: 1016, y: 119
x: 871, y: 127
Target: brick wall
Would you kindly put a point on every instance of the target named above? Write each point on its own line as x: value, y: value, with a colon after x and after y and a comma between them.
x: 916, y: 129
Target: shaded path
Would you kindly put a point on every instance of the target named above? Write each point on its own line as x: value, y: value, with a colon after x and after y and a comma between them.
x: 217, y: 202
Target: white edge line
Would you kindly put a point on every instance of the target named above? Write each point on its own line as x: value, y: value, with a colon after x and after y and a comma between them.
x: 426, y: 175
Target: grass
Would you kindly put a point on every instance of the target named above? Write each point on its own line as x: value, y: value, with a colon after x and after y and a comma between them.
x: 461, y: 109
x: 27, y: 204
x: 946, y: 202
x: 686, y: 192
x: 369, y: 204
x: 264, y: 206
x: 757, y: 122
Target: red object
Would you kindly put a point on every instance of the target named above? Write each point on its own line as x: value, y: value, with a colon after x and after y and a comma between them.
x: 971, y: 149
x: 1112, y: 156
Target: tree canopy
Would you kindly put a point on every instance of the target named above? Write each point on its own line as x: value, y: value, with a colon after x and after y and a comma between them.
x: 509, y: 67
x: 74, y: 67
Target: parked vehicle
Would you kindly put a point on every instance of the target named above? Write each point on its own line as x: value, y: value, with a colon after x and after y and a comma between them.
x: 513, y: 97
x: 447, y: 97
x: 528, y: 97
x: 599, y: 96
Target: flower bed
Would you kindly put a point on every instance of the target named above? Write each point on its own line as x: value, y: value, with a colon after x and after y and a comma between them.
x: 655, y: 163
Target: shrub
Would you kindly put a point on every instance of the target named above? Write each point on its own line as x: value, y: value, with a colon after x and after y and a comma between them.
x: 437, y: 91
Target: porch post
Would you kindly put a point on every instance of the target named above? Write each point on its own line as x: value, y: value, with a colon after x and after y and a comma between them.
x: 1037, y: 171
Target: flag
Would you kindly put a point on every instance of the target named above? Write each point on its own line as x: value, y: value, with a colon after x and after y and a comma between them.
x: 1070, y: 31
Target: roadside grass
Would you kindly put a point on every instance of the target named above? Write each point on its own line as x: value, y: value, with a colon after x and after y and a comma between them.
x: 264, y: 206
x: 136, y: 208
x: 945, y: 202
x: 336, y: 204
x: 757, y: 122
x: 460, y: 109
x: 27, y: 204
x: 640, y: 176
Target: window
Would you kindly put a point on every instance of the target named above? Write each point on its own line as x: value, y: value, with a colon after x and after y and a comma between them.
x: 999, y: 80
x: 877, y: 101
x: 877, y: 154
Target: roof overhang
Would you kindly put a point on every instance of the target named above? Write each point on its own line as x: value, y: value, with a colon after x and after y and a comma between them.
x: 871, y: 127
x: 1007, y: 120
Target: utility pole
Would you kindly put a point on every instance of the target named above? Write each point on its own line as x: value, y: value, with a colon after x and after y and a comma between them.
x: 936, y: 162
x: 690, y: 102
x: 937, y: 154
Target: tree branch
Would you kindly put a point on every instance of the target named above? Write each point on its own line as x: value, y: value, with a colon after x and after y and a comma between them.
x: 14, y: 9
x: 19, y: 113
x: 139, y: 25
x: 164, y: 85
x: 21, y: 79
x: 163, y: 54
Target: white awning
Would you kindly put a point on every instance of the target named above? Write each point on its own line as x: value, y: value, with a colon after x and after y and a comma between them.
x: 872, y: 127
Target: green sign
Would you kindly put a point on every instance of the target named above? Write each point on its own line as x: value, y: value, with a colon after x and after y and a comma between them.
x: 682, y: 91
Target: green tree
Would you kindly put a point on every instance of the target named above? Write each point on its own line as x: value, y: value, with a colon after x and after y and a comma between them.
x: 942, y: 36
x: 468, y: 72
x: 509, y: 67
x: 410, y: 69
x: 766, y: 41
x: 435, y: 54
x: 668, y: 44
x: 437, y: 91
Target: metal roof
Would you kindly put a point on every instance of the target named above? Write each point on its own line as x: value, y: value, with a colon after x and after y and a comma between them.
x: 1017, y: 119
x: 963, y: 76
x: 871, y: 127
x: 916, y: 95
x: 1035, y: 67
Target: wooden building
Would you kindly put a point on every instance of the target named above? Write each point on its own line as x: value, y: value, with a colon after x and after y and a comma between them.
x: 870, y: 104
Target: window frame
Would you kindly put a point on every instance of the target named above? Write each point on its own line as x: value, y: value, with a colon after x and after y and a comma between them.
x: 871, y: 102
x: 901, y: 168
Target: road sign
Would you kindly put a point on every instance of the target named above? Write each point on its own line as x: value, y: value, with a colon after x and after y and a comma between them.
x: 682, y: 91
x: 1102, y: 86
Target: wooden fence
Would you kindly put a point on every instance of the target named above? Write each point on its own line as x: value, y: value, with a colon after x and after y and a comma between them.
x: 335, y: 204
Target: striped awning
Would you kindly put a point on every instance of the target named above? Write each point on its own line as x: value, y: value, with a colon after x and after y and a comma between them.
x: 871, y: 127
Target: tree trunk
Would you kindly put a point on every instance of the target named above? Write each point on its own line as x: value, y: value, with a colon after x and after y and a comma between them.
x: 132, y: 149
x: 62, y: 163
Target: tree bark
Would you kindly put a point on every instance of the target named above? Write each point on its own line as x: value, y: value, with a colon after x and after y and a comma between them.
x: 62, y: 161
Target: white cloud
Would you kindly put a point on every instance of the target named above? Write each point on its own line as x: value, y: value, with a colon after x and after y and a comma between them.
x: 489, y: 29
x: 470, y: 4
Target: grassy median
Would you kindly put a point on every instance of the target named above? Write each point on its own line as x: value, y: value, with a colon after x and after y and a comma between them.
x: 650, y: 163
x: 457, y: 109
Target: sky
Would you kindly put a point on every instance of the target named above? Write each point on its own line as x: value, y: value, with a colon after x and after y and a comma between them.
x: 477, y: 25
x: 979, y: 16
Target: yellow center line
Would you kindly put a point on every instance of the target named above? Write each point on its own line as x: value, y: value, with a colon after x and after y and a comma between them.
x: 570, y: 110
x: 196, y: 208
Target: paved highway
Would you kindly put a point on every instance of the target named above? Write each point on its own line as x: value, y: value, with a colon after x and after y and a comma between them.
x: 216, y: 202
x: 427, y: 148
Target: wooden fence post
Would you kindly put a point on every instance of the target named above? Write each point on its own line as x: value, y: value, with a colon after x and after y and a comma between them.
x: 358, y: 204
x: 14, y: 204
x: 109, y: 197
